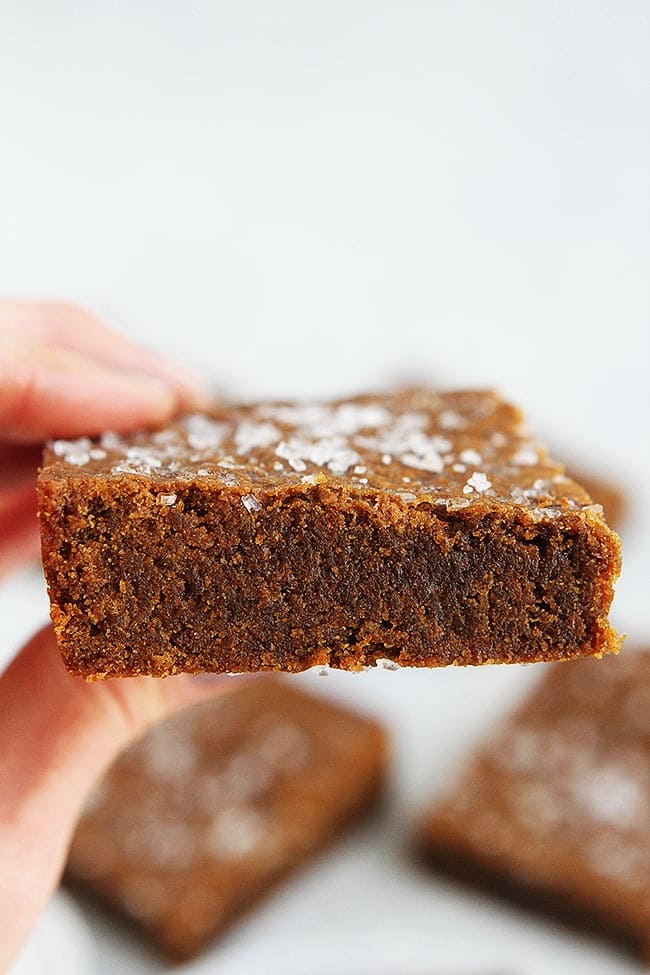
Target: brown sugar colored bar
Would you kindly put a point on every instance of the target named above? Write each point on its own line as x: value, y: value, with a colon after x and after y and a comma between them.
x: 554, y: 811
x: 419, y: 527
x: 214, y: 806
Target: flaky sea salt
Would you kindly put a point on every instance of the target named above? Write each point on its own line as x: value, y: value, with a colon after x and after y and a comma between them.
x: 349, y: 418
x: 76, y: 452
x: 126, y: 469
x: 249, y: 435
x: 236, y: 832
x: 426, y: 461
x: 454, y: 504
x: 167, y: 499
x: 331, y: 452
x: 250, y: 502
x: 291, y: 453
x: 203, y: 433
x: 315, y: 420
x: 470, y: 456
x: 449, y: 420
x: 382, y: 663
x: 526, y: 456
x: 144, y: 456
x: 113, y: 442
x: 477, y: 482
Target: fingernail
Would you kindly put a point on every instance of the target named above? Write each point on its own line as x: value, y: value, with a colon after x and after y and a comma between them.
x: 185, y: 381
x: 158, y: 393
x: 200, y: 399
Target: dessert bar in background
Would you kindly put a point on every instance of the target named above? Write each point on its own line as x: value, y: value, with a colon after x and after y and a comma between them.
x: 212, y: 807
x: 610, y: 495
x: 555, y: 810
x: 418, y: 527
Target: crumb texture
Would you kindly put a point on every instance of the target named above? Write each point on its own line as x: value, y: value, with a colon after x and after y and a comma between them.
x: 417, y: 527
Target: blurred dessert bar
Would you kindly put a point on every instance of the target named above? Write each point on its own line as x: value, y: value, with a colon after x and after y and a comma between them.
x: 213, y: 806
x: 420, y: 527
x: 555, y: 810
x: 605, y: 492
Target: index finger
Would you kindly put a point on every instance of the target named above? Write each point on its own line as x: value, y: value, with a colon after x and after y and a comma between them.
x: 54, y: 392
x: 67, y: 326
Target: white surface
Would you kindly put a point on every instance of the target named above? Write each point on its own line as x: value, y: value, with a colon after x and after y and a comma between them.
x: 61, y: 943
x: 309, y: 198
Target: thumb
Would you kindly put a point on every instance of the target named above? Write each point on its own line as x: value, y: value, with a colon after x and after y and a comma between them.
x: 58, y: 735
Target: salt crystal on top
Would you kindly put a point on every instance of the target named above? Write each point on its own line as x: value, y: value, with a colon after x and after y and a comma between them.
x: 249, y: 435
x: 470, y: 456
x: 479, y: 482
x: 76, y: 452
x: 204, y: 433
x: 526, y: 456
x: 346, y: 439
x: 250, y: 502
x: 449, y: 420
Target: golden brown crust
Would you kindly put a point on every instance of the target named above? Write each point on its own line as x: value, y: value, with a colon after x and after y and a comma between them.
x: 421, y: 528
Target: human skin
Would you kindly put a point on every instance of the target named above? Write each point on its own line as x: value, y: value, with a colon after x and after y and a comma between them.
x: 65, y: 374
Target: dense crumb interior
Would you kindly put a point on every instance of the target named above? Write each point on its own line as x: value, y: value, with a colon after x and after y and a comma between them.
x: 319, y: 576
x: 415, y: 527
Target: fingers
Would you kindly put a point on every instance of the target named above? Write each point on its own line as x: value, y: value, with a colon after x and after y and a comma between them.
x: 18, y: 464
x: 19, y: 539
x: 57, y: 715
x: 68, y: 326
x: 58, y: 735
x: 65, y: 374
x: 52, y: 392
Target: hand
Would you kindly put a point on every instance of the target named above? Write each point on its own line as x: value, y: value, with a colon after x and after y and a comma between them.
x: 64, y: 374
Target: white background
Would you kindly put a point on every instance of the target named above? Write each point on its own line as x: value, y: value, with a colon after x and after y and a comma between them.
x: 314, y: 198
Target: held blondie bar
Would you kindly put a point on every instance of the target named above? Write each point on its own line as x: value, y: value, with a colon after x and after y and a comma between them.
x: 419, y: 528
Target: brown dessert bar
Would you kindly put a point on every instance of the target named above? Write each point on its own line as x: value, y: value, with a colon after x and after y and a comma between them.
x: 420, y: 528
x: 555, y: 810
x: 213, y: 806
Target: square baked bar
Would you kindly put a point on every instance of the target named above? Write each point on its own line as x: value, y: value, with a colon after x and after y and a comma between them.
x: 211, y: 808
x: 419, y: 528
x: 555, y: 810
